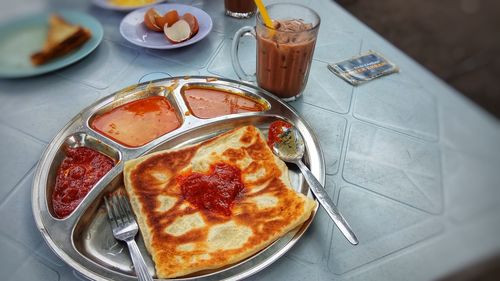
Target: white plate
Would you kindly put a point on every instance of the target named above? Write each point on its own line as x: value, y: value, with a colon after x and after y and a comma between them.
x: 106, y: 4
x: 132, y: 27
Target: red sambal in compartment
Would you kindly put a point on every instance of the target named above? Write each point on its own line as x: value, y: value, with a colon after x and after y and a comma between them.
x: 209, y: 103
x: 79, y: 171
x: 138, y: 122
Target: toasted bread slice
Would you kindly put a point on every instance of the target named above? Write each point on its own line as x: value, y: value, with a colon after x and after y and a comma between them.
x: 62, y: 38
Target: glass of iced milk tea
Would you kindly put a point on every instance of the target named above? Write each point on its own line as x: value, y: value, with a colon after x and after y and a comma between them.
x: 240, y: 8
x: 284, y: 51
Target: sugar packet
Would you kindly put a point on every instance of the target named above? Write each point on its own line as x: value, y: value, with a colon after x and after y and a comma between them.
x: 363, y: 68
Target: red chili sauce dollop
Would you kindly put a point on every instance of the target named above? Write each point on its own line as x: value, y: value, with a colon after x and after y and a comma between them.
x: 79, y: 171
x: 275, y: 131
x: 215, y: 191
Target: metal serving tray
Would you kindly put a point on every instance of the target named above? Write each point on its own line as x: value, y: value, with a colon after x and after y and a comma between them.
x: 84, y: 239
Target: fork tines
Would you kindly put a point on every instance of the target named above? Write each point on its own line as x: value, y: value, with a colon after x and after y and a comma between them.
x: 118, y: 209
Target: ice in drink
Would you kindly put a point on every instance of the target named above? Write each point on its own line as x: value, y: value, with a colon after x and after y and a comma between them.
x: 284, y: 56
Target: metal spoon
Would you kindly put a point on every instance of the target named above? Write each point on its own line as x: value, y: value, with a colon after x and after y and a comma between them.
x: 290, y: 148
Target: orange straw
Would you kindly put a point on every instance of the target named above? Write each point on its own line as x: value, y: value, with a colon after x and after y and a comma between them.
x: 263, y: 12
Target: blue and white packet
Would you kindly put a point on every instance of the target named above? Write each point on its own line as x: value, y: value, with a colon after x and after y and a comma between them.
x: 363, y: 68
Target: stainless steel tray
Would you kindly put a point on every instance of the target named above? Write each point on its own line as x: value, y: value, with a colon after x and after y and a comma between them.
x: 84, y: 239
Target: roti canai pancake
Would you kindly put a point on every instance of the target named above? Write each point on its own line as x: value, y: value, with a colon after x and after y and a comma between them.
x: 214, y: 203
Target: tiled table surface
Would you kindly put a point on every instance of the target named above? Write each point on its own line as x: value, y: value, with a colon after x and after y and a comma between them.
x: 413, y: 165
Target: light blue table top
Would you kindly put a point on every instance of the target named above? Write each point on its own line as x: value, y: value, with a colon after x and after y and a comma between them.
x: 413, y: 165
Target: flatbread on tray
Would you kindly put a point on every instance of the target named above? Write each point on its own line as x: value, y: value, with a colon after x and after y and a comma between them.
x: 182, y: 237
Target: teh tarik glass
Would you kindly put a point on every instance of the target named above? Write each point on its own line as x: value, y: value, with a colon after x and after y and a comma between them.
x: 240, y: 8
x: 284, y: 51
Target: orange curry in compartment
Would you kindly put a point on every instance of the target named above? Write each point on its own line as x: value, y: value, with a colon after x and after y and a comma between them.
x: 207, y: 102
x: 138, y: 122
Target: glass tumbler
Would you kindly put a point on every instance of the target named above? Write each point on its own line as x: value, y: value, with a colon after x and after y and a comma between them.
x: 240, y: 8
x: 284, y: 51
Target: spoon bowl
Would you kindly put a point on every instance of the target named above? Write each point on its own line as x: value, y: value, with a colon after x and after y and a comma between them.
x: 291, y: 145
x: 290, y: 148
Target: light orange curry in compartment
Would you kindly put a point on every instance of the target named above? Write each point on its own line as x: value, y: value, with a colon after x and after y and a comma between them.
x: 205, y: 102
x: 138, y: 122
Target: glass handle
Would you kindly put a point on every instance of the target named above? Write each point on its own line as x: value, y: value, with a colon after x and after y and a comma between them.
x: 244, y: 31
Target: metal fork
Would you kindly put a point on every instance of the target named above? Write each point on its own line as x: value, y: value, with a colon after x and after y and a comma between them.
x: 125, y: 228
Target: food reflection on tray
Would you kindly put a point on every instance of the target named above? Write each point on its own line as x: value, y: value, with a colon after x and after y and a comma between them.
x: 199, y: 207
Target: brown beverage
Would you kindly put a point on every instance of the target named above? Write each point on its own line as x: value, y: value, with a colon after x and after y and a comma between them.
x: 240, y: 8
x: 284, y: 57
x: 284, y: 49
